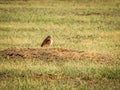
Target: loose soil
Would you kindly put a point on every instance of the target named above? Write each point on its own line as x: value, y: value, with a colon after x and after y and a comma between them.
x: 51, y: 54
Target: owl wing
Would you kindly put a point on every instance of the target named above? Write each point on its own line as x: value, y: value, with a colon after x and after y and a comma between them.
x: 45, y: 42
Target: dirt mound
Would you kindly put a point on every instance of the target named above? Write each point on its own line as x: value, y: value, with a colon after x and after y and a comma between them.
x: 51, y: 54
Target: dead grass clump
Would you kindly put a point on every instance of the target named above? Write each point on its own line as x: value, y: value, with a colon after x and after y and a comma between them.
x: 52, y: 54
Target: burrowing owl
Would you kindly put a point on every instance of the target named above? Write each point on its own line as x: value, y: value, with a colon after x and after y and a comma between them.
x: 47, y: 42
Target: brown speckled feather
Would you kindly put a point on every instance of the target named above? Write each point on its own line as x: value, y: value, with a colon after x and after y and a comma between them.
x: 47, y: 41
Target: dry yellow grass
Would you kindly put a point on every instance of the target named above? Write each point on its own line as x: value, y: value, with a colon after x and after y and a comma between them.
x: 80, y: 25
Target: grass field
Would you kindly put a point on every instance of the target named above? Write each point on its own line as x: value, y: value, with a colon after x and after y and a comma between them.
x: 84, y: 25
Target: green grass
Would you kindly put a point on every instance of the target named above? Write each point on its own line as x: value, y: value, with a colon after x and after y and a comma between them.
x: 92, y: 26
x: 67, y: 22
x: 93, y: 75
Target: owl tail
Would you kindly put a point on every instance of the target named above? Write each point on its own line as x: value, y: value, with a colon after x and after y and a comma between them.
x: 41, y: 45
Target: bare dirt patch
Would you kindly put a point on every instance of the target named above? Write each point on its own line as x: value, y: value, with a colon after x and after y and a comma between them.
x: 52, y: 54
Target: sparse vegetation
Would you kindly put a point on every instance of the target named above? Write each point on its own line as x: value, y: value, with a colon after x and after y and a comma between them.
x: 84, y: 25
